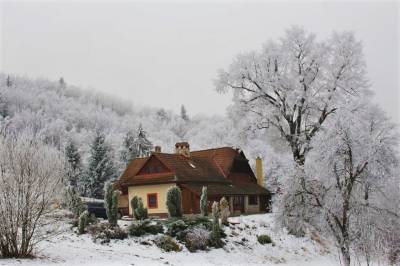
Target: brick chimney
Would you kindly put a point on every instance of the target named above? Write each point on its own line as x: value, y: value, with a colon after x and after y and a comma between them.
x: 182, y: 148
x: 157, y: 149
x: 259, y: 172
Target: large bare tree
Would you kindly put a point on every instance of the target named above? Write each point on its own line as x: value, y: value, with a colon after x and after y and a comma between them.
x: 30, y: 178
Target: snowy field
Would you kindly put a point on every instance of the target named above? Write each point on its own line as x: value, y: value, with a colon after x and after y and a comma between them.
x: 242, y: 249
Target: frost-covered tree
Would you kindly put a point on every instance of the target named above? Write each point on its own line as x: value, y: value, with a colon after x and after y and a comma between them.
x: 224, y: 211
x: 184, y: 114
x: 293, y: 86
x: 142, y: 146
x: 129, y: 149
x: 8, y: 81
x: 31, y: 175
x: 100, y: 167
x: 352, y: 180
x: 3, y: 105
x: 74, y: 164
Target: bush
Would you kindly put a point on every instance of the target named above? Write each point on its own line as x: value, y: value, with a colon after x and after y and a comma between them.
x: 173, y: 228
x: 215, y: 238
x: 83, y: 222
x: 167, y: 243
x: 138, y: 209
x: 142, y: 227
x: 174, y: 202
x: 199, y: 221
x: 106, y: 231
x: 111, y: 197
x: 204, y: 202
x: 224, y: 211
x: 197, y: 239
x: 264, y: 239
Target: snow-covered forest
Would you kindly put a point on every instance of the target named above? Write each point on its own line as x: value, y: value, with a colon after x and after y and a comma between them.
x: 303, y: 104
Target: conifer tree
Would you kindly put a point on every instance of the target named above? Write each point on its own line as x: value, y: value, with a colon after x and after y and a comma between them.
x: 8, y: 81
x: 174, y: 202
x: 74, y: 171
x: 111, y: 197
x: 100, y: 167
x: 203, y: 202
x: 129, y: 151
x: 142, y: 145
x: 184, y: 114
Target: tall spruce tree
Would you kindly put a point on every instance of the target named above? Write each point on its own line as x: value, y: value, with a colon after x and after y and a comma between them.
x: 100, y: 168
x: 129, y: 152
x: 74, y: 171
x: 184, y: 114
x: 142, y: 145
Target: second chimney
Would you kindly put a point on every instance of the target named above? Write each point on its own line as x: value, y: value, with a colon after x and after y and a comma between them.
x: 157, y: 149
x: 182, y: 148
x: 259, y: 172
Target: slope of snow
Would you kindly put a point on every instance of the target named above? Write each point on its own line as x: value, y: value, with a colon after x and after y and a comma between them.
x: 242, y: 248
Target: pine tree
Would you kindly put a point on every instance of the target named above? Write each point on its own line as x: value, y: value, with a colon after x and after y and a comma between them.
x: 8, y: 81
x: 111, y: 197
x: 74, y: 171
x: 129, y: 151
x: 203, y: 202
x: 174, y: 202
x: 100, y: 167
x: 184, y: 114
x: 142, y: 145
x: 215, y: 237
x: 3, y: 106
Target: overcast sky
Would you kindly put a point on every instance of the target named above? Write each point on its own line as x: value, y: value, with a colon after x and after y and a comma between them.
x: 165, y: 55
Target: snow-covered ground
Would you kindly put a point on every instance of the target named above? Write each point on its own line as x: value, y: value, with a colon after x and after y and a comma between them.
x: 242, y: 249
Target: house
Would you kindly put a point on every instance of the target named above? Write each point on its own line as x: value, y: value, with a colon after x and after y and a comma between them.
x: 225, y: 171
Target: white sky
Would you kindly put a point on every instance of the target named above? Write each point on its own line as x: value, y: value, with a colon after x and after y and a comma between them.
x: 166, y: 54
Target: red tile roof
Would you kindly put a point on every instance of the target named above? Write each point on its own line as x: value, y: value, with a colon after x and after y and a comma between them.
x: 204, y: 167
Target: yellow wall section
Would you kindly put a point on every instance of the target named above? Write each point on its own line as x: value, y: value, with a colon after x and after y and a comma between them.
x: 142, y: 191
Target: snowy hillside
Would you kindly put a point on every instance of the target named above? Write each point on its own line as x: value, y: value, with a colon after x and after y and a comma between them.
x: 242, y: 248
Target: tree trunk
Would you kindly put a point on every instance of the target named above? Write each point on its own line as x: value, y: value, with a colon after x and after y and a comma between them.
x: 346, y: 255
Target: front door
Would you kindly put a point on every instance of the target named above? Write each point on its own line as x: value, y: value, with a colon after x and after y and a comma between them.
x: 238, y: 203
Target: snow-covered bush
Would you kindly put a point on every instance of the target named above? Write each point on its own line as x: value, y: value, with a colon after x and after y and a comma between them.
x: 142, y: 227
x: 31, y: 175
x: 197, y: 238
x: 83, y: 222
x: 174, y: 202
x: 103, y: 232
x: 174, y: 228
x: 264, y: 239
x: 204, y: 202
x: 138, y: 209
x: 224, y: 211
x: 167, y: 243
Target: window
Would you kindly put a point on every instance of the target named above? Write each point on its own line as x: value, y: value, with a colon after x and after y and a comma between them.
x: 152, y: 201
x: 253, y: 200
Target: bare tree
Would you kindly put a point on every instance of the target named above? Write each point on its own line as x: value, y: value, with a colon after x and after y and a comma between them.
x: 30, y: 177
